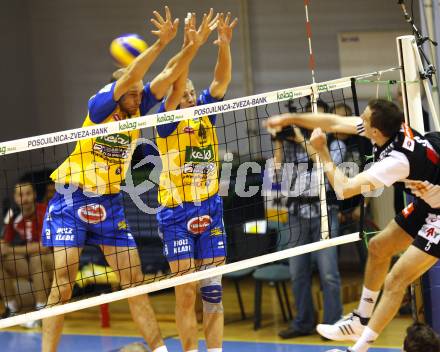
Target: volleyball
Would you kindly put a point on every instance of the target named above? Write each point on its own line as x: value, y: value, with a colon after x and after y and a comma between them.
x: 126, y: 48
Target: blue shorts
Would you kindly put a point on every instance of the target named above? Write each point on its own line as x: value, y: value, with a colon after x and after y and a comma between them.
x: 191, y: 231
x: 86, y: 220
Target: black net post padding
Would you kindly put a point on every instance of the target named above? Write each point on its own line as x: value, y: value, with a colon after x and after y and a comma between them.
x: 362, y: 157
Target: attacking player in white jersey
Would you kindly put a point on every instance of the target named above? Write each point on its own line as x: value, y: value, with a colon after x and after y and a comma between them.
x: 401, y: 155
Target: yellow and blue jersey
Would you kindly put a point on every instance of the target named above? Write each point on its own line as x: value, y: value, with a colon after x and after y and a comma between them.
x: 99, y: 165
x: 189, y: 153
x: 191, y: 221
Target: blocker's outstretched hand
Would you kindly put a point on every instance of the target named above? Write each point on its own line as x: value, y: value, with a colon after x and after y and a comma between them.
x: 166, y: 28
x: 224, y: 29
x: 202, y: 34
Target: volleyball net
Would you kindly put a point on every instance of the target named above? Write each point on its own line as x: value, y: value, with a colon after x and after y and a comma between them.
x: 268, y: 184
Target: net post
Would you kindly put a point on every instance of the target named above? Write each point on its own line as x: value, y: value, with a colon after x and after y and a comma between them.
x: 409, y: 74
x: 424, y: 77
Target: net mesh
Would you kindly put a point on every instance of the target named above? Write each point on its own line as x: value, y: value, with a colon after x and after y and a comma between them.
x: 268, y: 186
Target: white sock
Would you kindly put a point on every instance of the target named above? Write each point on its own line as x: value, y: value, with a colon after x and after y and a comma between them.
x: 215, y: 349
x: 161, y: 349
x: 40, y: 305
x: 365, y: 341
x: 12, y: 305
x: 367, y: 302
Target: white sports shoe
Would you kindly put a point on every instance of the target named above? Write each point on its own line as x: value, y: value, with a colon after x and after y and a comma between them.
x: 349, y: 328
x: 33, y: 324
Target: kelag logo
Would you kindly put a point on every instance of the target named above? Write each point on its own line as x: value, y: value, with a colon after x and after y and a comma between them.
x: 127, y: 125
x: 165, y: 118
x: 287, y: 94
x: 322, y: 88
x: 2, y: 150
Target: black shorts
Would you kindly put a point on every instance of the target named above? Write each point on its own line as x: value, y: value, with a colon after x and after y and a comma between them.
x: 422, y: 222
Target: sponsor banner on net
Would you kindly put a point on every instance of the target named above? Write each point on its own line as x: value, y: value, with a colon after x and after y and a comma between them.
x: 167, y: 117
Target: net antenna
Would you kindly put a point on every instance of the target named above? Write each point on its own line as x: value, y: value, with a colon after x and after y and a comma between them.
x: 416, y: 67
x: 325, y: 233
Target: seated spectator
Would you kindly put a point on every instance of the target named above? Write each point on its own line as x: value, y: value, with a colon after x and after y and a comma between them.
x: 22, y: 255
x: 421, y: 338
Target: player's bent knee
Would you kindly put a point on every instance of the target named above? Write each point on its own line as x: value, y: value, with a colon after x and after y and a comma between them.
x: 211, y: 291
x: 378, y: 249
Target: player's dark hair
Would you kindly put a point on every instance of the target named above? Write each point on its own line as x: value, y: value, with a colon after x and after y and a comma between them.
x: 421, y: 338
x: 385, y: 116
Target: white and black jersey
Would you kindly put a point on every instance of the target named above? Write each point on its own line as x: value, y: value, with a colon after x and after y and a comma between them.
x: 406, y: 156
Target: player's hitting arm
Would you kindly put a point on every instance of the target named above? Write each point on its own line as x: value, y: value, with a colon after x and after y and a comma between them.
x: 344, y: 187
x: 178, y: 64
x: 223, y: 67
x: 327, y: 122
x: 166, y: 31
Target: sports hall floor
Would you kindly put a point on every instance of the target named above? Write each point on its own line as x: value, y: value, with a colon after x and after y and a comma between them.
x: 82, y: 331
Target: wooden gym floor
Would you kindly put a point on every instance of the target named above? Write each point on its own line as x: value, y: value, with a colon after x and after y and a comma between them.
x: 82, y: 330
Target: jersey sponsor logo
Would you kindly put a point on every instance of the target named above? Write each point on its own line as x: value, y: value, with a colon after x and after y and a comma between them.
x: 408, y: 144
x: 408, y: 210
x: 64, y: 237
x: 92, y: 213
x: 431, y: 230
x: 113, y: 146
x: 203, y: 135
x: 64, y: 230
x: 115, y: 140
x: 181, y: 246
x: 216, y: 231
x: 122, y: 225
x: 198, y: 168
x: 189, y: 130
x: 47, y: 233
x: 199, y: 224
x: 199, y: 154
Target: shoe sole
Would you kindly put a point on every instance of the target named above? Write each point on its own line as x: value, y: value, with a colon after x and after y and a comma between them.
x: 337, y: 338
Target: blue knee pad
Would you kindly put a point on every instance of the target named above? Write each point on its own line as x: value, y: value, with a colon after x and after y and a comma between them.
x: 211, y: 291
